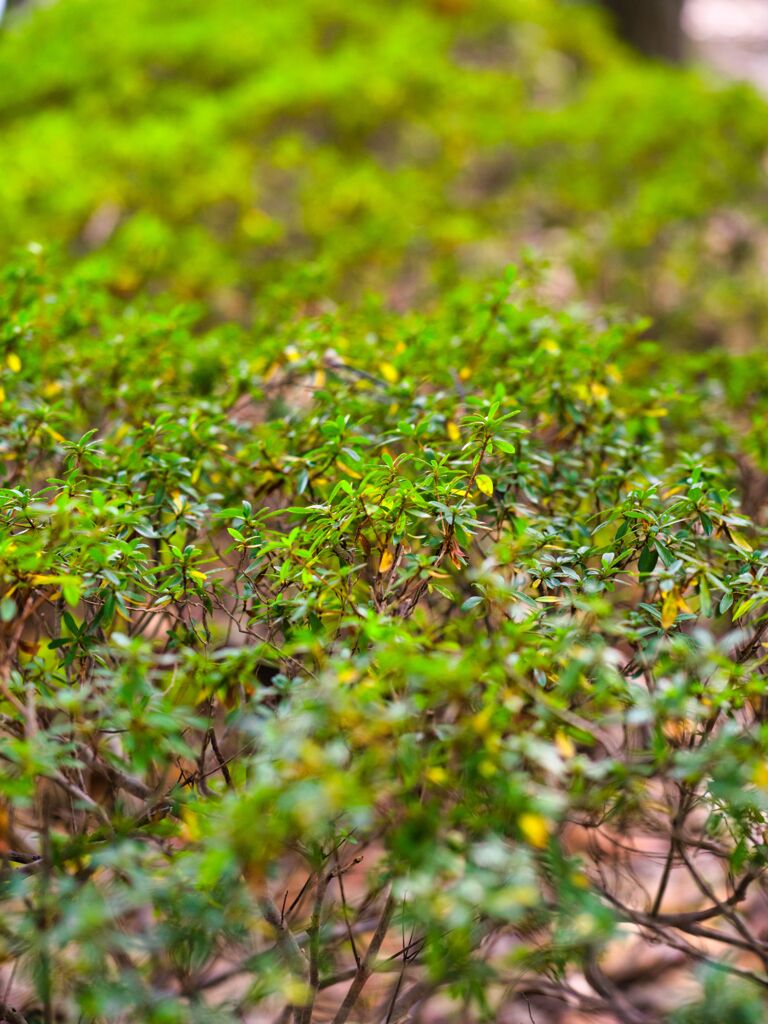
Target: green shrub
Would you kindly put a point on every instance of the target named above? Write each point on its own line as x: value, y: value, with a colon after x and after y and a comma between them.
x: 372, y: 632
x: 377, y: 643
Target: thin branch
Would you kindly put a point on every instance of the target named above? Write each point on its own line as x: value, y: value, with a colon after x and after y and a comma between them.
x: 365, y: 969
x: 286, y: 941
x: 314, y: 945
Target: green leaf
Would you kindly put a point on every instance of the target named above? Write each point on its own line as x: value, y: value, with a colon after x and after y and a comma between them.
x: 646, y: 563
x: 71, y: 589
x: 706, y: 600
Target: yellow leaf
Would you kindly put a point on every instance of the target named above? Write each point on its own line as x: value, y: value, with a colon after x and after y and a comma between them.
x: 2, y: 393
x: 348, y: 471
x: 13, y: 361
x: 565, y: 745
x: 535, y: 829
x: 386, y: 561
x: 389, y: 373
x: 760, y: 775
x: 669, y: 610
x: 740, y: 541
x: 481, y: 721
x: 197, y: 575
x: 54, y: 434
x: 484, y: 484
x: 296, y: 992
x: 190, y: 828
x: 454, y: 434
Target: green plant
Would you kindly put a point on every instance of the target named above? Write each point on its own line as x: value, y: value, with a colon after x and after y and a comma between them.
x: 373, y: 633
x: 377, y: 643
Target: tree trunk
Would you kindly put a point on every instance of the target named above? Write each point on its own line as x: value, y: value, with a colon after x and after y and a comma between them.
x: 652, y: 26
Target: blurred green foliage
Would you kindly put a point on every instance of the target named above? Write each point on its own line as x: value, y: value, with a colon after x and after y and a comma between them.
x: 723, y: 1001
x: 242, y: 153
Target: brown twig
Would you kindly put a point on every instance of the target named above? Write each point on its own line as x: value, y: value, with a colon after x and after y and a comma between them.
x: 365, y: 969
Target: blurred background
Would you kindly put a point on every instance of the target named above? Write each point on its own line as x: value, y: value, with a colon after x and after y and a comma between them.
x: 237, y: 154
x: 731, y: 35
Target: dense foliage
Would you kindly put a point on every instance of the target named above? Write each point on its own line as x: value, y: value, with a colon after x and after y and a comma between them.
x: 429, y: 607
x: 400, y: 659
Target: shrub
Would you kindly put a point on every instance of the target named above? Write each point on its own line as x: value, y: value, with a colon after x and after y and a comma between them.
x: 376, y: 660
x: 376, y: 643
